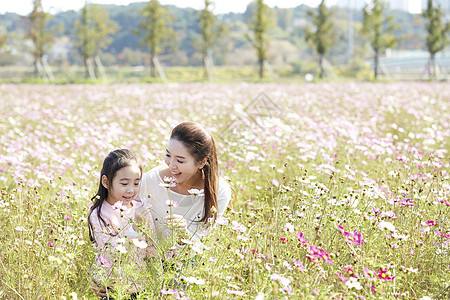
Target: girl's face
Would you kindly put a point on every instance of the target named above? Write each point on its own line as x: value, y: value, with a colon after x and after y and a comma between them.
x: 181, y: 163
x: 124, y: 186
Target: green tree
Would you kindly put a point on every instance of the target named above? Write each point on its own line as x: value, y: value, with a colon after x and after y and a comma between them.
x: 260, y: 24
x: 211, y: 32
x: 379, y: 30
x: 157, y: 33
x: 3, y: 37
x: 41, y: 37
x: 323, y: 36
x: 436, y: 33
x: 93, y: 31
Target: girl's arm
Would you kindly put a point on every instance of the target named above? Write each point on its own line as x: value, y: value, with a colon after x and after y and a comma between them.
x: 105, y: 237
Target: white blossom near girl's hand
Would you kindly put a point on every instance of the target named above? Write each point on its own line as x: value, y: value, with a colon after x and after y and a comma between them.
x: 168, y: 182
x: 139, y: 244
x: 119, y: 205
x: 196, y: 192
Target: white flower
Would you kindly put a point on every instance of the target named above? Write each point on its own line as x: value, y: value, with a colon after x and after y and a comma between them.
x: 237, y: 226
x: 121, y: 249
x: 196, y: 192
x: 222, y: 221
x: 193, y: 280
x: 20, y: 228
x: 387, y: 225
x: 282, y: 280
x: 119, y: 205
x: 242, y: 238
x: 289, y: 227
x: 353, y: 283
x: 139, y: 244
x: 168, y: 182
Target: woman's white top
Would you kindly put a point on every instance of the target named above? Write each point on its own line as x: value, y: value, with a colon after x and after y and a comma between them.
x: 188, y: 206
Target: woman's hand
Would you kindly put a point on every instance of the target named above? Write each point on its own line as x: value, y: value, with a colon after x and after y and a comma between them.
x: 176, y: 221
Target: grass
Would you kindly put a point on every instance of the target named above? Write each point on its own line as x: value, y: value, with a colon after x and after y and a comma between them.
x: 369, y: 157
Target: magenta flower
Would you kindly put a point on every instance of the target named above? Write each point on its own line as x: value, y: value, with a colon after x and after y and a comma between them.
x: 51, y: 244
x: 301, y: 238
x: 354, y: 237
x: 313, y: 251
x: 382, y: 274
x: 350, y: 271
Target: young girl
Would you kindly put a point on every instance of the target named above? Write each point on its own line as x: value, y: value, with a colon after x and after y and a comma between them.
x: 110, y: 221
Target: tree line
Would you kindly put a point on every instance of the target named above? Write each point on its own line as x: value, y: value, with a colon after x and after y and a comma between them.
x: 94, y: 29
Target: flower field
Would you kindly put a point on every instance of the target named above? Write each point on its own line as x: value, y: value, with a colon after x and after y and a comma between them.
x: 342, y: 189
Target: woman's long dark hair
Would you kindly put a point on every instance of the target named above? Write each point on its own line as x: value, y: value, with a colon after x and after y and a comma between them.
x: 115, y: 161
x: 201, y: 144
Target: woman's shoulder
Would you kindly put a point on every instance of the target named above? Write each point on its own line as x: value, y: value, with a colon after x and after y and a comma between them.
x: 225, y: 189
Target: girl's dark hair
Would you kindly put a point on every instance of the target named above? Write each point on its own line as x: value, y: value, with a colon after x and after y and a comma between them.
x: 201, y: 144
x: 115, y: 161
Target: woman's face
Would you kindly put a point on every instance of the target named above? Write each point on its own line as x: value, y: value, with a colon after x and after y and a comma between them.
x: 181, y: 163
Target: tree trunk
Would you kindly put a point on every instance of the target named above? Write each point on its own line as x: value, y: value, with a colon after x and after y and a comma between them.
x: 261, y: 68
x: 376, y: 64
x: 321, y: 71
x: 433, y: 67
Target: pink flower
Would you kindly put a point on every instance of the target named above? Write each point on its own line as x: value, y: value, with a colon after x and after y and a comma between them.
x: 430, y: 223
x: 301, y: 238
x: 350, y: 271
x: 354, y: 237
x: 168, y: 292
x: 342, y: 277
x: 68, y: 217
x: 51, y: 244
x: 313, y: 251
x: 284, y: 240
x: 382, y: 274
x: 299, y: 265
x: 222, y: 221
x: 104, y: 261
x: 240, y: 293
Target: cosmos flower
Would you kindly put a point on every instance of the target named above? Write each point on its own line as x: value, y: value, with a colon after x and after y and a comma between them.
x: 168, y: 182
x: 301, y: 238
x: 383, y: 274
x: 196, y: 192
x: 104, y: 261
x: 139, y: 244
x: 354, y: 237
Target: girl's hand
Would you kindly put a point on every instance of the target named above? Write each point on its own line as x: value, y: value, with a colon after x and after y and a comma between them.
x: 143, y: 213
x: 176, y: 221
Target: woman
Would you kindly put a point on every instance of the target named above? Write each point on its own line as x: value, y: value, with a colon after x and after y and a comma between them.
x: 186, y: 194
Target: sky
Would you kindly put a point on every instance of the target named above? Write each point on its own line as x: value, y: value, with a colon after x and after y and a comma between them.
x: 23, y: 7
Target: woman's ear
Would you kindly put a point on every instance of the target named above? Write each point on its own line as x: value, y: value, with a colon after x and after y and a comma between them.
x: 105, y: 181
